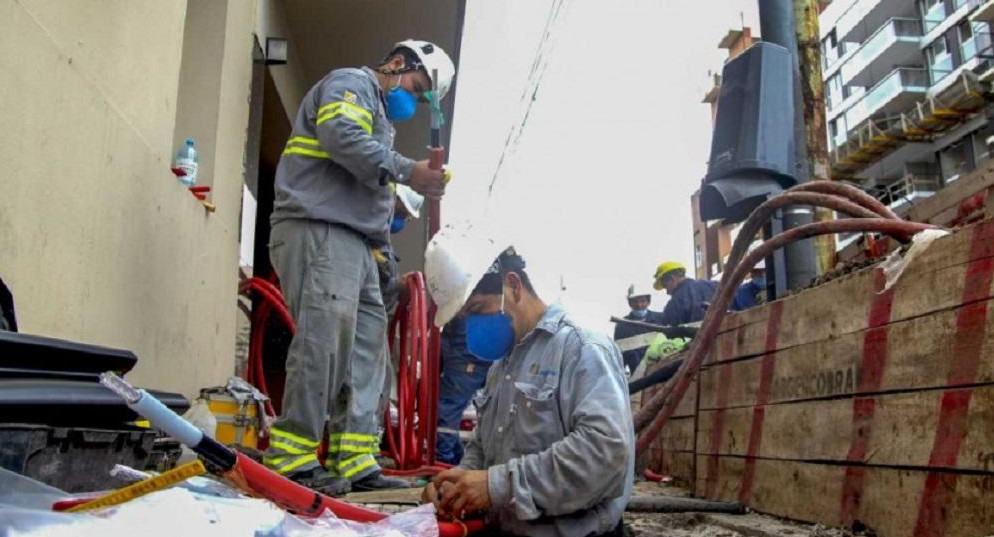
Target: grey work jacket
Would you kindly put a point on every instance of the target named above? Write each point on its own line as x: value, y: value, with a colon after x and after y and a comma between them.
x: 555, y: 433
x: 339, y: 157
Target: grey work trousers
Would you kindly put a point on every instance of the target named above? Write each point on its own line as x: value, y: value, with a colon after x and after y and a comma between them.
x: 334, y: 369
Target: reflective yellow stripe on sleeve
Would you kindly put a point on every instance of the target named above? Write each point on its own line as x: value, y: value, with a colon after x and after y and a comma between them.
x: 360, y: 115
x: 308, y: 147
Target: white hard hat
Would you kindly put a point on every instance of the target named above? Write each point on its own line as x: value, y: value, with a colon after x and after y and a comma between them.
x: 432, y: 58
x: 455, y: 261
x: 411, y: 200
x: 637, y: 291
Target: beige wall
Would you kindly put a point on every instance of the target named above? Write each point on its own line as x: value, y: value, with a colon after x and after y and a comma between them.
x: 271, y: 21
x: 98, y: 241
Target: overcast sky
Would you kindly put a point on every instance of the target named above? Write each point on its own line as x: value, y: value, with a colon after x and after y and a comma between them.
x: 597, y: 192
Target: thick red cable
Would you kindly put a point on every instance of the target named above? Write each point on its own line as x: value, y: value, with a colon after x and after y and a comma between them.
x: 674, y: 390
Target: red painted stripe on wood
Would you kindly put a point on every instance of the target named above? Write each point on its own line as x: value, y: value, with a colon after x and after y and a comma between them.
x: 871, y: 376
x: 762, y: 398
x: 971, y: 324
x: 718, y: 423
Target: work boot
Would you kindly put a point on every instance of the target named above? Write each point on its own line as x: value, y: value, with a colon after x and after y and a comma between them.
x: 378, y: 481
x: 320, y: 480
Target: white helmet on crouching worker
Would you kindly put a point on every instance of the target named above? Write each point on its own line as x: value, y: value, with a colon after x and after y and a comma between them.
x: 455, y: 261
x: 432, y: 59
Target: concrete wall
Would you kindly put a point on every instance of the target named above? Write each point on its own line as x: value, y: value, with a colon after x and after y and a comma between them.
x: 271, y: 21
x: 98, y: 241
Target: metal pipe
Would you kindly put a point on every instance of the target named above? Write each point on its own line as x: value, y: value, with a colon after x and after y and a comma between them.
x: 657, y: 504
x: 813, y: 107
x: 776, y: 22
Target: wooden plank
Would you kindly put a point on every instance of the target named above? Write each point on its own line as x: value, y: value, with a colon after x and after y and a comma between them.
x: 687, y: 406
x: 902, y: 431
x: 932, y: 282
x: 677, y: 435
x: 930, y: 209
x: 917, y: 357
x: 678, y: 464
x: 890, y: 502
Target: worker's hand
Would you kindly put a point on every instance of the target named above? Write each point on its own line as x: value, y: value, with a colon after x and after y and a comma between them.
x: 430, y: 495
x: 426, y: 181
x: 461, y: 491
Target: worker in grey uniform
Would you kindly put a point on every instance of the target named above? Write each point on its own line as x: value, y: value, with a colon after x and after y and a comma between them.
x: 333, y: 201
x: 553, y: 453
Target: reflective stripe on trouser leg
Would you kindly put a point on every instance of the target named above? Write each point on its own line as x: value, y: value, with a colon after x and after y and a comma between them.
x: 356, y: 466
x: 290, y: 464
x: 354, y: 412
x: 318, y: 297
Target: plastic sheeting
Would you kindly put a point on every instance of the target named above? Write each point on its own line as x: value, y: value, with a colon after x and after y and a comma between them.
x: 25, y: 512
x: 895, y: 263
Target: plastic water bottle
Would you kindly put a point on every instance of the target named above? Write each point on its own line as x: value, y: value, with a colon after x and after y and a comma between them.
x: 186, y: 160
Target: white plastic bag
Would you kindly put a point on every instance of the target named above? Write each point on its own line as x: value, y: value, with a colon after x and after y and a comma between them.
x: 895, y: 263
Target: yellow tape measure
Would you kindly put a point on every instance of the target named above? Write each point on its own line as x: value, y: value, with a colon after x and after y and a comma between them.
x: 141, y: 488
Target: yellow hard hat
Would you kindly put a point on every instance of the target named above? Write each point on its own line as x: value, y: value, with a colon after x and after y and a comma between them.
x: 663, y: 269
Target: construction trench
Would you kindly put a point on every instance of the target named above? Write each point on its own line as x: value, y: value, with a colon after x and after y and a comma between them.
x: 860, y: 405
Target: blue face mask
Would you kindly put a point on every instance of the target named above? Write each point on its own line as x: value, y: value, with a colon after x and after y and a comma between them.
x: 401, y: 104
x: 640, y: 314
x: 397, y: 224
x: 490, y: 336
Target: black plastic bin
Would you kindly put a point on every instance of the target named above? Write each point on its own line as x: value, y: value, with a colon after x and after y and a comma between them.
x: 73, y: 459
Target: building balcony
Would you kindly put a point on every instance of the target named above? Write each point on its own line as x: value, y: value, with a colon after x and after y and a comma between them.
x: 865, y: 17
x: 907, y: 190
x: 896, y: 92
x: 895, y: 43
x: 837, y: 56
x: 984, y: 12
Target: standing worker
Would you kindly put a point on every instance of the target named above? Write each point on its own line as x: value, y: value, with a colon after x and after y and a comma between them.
x: 689, y: 298
x: 333, y: 201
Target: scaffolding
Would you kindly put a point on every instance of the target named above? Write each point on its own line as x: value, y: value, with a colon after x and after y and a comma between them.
x: 928, y: 119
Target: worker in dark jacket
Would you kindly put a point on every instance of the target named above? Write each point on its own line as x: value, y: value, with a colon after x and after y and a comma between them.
x: 752, y: 292
x: 462, y: 376
x: 633, y: 339
x: 689, y: 298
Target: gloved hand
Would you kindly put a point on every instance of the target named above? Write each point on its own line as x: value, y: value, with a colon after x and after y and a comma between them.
x: 426, y: 181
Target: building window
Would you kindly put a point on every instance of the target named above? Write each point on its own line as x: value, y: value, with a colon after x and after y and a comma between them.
x: 956, y: 160
x: 829, y: 50
x: 834, y: 96
x: 975, y: 38
x: 940, y: 61
x: 933, y: 12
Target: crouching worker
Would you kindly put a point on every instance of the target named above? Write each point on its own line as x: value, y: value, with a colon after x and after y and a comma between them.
x: 553, y: 453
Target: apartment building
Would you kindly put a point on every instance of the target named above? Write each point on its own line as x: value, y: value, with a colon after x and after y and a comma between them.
x: 904, y: 86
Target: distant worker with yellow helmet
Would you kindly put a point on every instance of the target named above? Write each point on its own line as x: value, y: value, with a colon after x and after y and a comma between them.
x: 689, y: 298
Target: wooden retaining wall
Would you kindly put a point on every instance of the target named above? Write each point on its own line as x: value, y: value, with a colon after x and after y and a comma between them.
x: 847, y: 403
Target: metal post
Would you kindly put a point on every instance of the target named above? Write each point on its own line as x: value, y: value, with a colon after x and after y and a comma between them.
x: 813, y: 91
x: 776, y: 23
